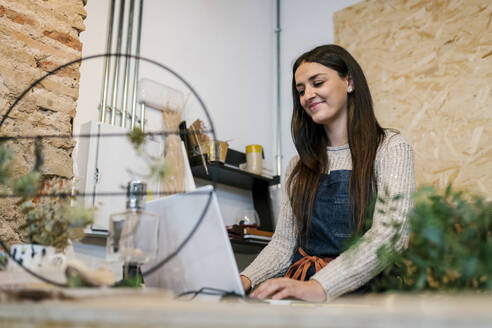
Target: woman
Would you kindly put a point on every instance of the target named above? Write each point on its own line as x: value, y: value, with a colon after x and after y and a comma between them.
x: 345, y: 158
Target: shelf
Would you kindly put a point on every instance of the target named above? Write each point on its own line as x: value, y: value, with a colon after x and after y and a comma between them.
x: 247, y: 247
x: 229, y: 175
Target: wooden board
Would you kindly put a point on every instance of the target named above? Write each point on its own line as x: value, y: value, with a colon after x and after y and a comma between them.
x: 429, y: 67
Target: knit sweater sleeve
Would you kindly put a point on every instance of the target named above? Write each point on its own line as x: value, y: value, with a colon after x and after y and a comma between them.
x: 394, y: 170
x: 276, y: 257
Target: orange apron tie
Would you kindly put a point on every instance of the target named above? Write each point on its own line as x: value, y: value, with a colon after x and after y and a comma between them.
x: 302, y: 266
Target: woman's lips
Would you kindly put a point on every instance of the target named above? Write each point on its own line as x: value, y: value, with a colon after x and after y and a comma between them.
x: 314, y: 105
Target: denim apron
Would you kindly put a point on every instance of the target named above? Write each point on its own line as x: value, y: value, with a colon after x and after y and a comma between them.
x: 331, y: 220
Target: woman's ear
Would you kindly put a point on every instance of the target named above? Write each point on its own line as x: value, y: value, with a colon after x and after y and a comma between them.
x: 350, y: 84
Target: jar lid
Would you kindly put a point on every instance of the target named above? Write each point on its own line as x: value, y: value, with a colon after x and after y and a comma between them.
x: 135, y: 192
x: 253, y: 149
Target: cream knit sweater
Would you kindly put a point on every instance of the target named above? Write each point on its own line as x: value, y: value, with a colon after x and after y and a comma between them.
x: 394, y: 172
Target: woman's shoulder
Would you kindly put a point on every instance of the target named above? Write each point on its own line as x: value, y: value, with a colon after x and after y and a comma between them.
x: 393, y: 138
x: 393, y: 144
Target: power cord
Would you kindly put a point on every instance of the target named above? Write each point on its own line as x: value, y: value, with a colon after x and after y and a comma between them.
x: 209, y: 291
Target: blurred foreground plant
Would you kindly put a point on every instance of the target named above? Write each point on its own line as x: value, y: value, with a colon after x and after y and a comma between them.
x: 51, y: 220
x: 450, y: 245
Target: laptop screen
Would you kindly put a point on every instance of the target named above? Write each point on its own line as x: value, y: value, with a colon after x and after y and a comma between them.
x: 207, y: 260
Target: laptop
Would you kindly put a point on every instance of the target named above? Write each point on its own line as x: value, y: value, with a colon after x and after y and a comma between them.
x: 207, y: 260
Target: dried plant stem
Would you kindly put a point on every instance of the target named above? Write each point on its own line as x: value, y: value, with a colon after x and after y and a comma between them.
x: 174, y: 181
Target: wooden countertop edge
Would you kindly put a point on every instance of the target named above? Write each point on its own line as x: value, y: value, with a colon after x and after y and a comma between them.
x: 161, y: 310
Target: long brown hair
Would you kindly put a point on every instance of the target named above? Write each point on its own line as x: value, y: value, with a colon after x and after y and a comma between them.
x: 310, y: 139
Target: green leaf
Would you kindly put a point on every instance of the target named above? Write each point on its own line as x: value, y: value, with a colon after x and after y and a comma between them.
x: 433, y: 234
x: 137, y: 138
x: 28, y: 185
x: 135, y: 282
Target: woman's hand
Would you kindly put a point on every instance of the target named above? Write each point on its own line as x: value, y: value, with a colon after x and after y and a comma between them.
x: 280, y: 288
x: 246, y: 283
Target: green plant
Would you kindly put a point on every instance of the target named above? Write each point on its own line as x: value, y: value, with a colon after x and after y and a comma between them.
x: 137, y: 138
x: 27, y: 186
x: 134, y: 282
x: 53, y: 221
x: 75, y: 281
x: 50, y: 220
x: 450, y: 245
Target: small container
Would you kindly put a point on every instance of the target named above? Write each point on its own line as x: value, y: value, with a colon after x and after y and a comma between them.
x: 254, y: 159
x: 36, y: 258
x: 217, y: 151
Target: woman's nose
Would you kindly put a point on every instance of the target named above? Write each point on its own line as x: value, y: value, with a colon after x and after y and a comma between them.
x: 309, y: 93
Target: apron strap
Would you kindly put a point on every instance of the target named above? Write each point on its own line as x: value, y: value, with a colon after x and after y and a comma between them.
x: 299, y: 269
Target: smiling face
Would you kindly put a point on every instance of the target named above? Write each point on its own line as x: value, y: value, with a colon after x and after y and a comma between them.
x: 323, y: 94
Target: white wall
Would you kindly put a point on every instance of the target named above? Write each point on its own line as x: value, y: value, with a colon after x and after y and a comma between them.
x: 305, y: 25
x: 223, y: 48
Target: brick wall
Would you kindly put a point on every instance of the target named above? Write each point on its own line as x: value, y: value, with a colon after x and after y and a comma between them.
x: 36, y: 36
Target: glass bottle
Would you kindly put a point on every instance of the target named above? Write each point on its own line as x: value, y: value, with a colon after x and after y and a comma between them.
x: 133, y: 234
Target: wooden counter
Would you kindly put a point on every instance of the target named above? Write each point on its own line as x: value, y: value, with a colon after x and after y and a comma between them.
x: 155, y: 308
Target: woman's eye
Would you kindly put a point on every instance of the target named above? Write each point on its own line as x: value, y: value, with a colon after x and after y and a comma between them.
x: 318, y: 83
x: 301, y: 92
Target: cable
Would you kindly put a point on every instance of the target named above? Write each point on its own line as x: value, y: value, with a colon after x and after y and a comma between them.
x: 209, y: 291
x: 88, y: 135
x: 102, y: 194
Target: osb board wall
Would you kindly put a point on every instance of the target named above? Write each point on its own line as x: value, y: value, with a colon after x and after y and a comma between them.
x: 37, y: 36
x: 429, y: 67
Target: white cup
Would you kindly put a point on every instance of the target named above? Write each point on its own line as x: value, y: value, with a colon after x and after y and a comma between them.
x: 35, y: 257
